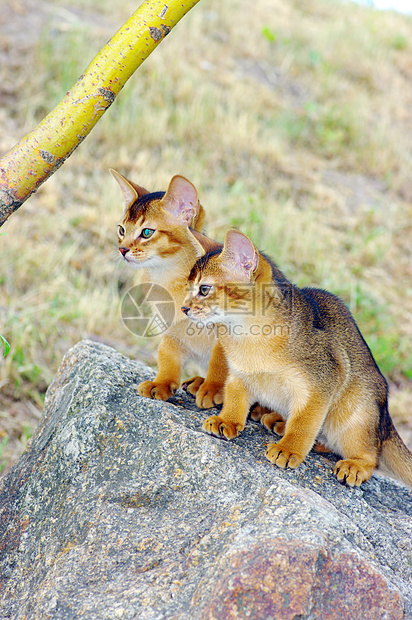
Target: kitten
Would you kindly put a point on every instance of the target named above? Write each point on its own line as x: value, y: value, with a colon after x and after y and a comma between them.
x: 154, y: 235
x: 299, y: 353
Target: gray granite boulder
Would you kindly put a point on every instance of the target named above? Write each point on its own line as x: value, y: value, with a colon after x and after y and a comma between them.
x: 123, y: 508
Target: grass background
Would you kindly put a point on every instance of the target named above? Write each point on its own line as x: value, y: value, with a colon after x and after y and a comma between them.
x: 293, y: 120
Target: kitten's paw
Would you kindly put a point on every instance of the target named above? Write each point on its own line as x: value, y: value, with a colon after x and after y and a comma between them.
x: 207, y: 394
x: 273, y: 422
x: 321, y: 447
x: 351, y: 472
x: 191, y: 386
x: 269, y: 419
x: 257, y: 411
x: 160, y: 391
x: 221, y: 428
x: 282, y: 457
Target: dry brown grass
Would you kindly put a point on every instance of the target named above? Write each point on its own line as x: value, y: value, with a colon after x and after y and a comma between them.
x: 295, y: 124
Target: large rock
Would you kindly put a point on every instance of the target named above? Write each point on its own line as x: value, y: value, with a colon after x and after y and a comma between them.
x: 123, y: 508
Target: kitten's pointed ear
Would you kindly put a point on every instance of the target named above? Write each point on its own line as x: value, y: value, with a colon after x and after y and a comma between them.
x: 239, y: 255
x: 181, y: 200
x: 131, y: 192
x: 199, y: 249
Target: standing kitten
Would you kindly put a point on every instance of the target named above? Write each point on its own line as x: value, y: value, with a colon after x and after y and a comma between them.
x: 300, y: 353
x: 154, y: 235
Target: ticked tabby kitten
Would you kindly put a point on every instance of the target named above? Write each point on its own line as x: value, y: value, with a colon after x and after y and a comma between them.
x: 299, y: 353
x: 154, y: 235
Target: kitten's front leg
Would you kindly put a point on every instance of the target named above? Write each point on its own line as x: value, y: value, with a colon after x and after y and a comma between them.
x: 209, y: 391
x: 232, y: 418
x: 302, y: 427
x: 171, y: 358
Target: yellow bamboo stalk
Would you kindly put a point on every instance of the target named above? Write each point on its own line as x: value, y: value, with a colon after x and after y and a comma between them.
x: 39, y: 154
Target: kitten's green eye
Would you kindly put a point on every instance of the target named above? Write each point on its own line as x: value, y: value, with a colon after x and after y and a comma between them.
x: 121, y: 231
x: 147, y: 233
x: 204, y: 290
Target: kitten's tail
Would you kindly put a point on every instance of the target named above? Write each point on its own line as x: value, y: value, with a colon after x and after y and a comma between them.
x: 395, y: 456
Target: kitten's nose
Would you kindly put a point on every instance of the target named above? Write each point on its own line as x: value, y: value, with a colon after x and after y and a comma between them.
x: 185, y: 309
x: 123, y: 251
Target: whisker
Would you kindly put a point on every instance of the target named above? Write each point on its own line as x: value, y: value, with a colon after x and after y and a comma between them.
x: 115, y: 255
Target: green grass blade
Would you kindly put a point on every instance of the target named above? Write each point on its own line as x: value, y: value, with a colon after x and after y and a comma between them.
x: 6, y: 345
